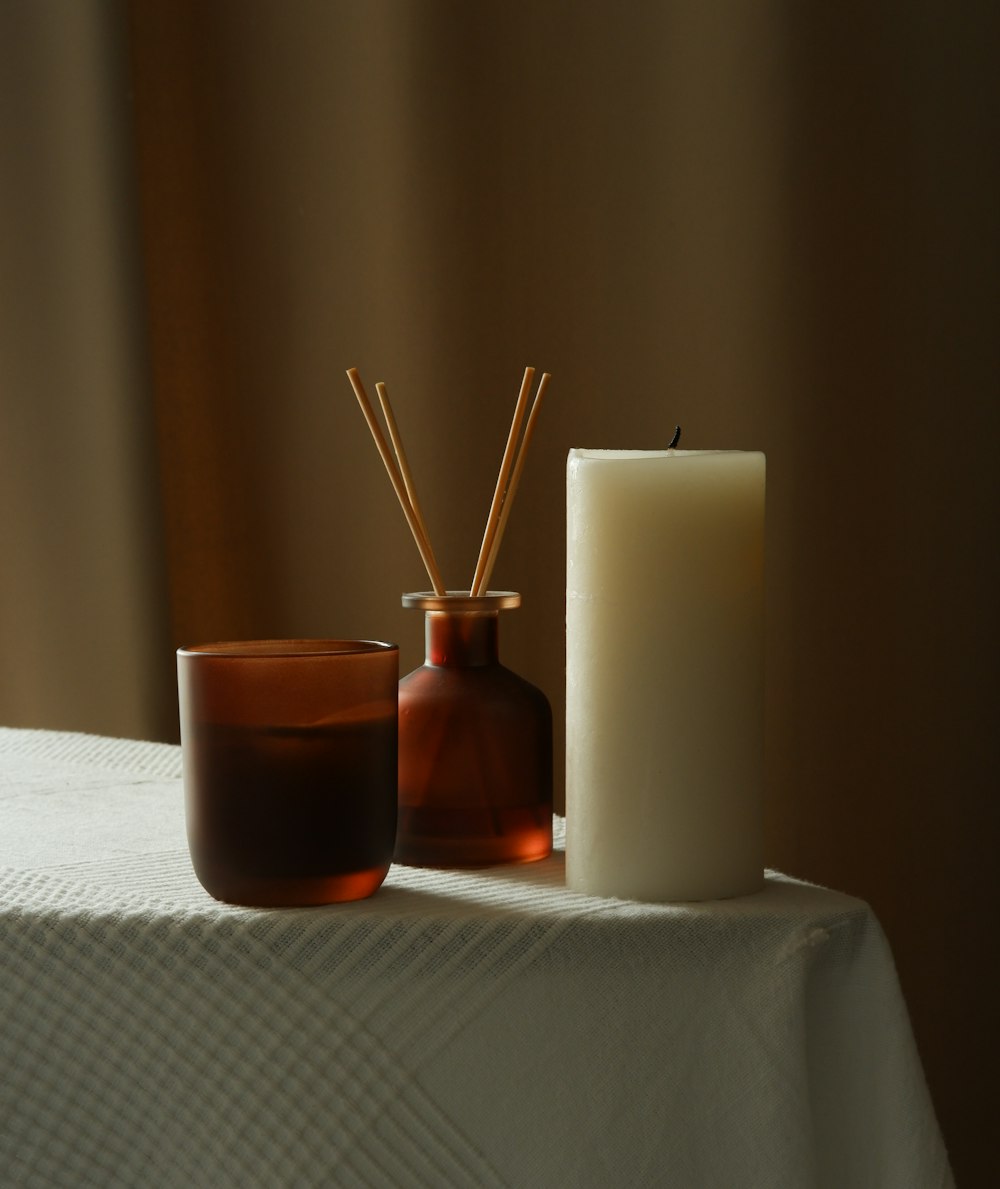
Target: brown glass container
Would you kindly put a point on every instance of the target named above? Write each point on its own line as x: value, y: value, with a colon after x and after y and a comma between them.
x: 290, y: 758
x: 475, y: 744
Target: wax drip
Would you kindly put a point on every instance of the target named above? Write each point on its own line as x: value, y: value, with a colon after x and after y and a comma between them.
x: 676, y: 438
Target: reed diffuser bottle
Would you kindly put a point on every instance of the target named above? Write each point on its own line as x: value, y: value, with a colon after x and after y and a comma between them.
x: 475, y: 744
x: 475, y: 740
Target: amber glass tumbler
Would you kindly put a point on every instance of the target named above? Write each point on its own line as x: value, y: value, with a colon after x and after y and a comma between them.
x: 475, y: 744
x: 290, y: 760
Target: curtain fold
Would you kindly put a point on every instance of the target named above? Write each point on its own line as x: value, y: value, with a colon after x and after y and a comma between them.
x: 82, y: 605
x: 775, y: 224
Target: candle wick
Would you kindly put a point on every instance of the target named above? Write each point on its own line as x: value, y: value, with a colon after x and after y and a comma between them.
x: 676, y: 438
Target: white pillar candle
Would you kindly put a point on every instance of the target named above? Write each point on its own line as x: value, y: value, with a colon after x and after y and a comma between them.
x: 664, y: 673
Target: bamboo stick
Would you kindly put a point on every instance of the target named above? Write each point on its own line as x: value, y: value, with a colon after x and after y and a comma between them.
x: 515, y: 478
x: 404, y: 467
x: 506, y: 463
x: 419, y: 534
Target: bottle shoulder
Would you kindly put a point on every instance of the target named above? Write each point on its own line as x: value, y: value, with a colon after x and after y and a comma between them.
x: 494, y: 681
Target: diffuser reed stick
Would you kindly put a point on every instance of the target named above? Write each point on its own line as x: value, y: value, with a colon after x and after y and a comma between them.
x: 515, y: 478
x: 419, y: 535
x: 493, y: 520
x: 404, y: 467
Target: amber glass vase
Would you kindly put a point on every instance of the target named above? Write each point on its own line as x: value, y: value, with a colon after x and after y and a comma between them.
x: 475, y: 744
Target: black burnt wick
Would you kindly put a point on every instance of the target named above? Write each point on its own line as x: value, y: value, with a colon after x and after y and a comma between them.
x: 676, y: 438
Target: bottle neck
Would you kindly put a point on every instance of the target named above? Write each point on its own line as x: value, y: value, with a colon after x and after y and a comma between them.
x: 461, y: 640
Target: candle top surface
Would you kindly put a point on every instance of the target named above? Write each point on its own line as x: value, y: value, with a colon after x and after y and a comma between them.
x: 612, y: 454
x: 626, y: 455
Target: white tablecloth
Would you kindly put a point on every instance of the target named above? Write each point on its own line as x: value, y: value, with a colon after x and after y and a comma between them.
x: 457, y: 1029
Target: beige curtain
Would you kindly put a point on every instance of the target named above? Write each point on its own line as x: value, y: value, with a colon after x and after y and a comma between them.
x: 83, y: 627
x: 774, y: 223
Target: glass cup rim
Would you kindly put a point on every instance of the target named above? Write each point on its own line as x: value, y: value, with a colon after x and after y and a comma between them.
x: 249, y: 650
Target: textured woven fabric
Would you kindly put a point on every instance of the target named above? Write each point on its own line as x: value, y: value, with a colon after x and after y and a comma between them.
x: 457, y: 1029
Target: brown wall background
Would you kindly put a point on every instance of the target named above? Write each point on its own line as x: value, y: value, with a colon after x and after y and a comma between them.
x: 774, y: 223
